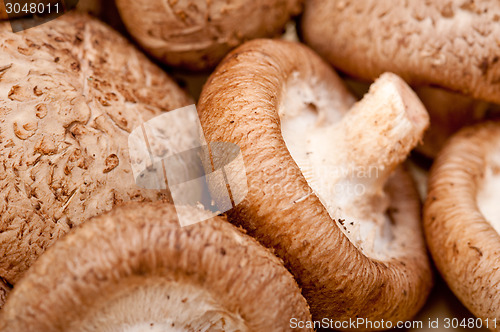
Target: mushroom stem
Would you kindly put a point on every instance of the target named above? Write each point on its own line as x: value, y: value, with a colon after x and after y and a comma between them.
x: 359, y: 162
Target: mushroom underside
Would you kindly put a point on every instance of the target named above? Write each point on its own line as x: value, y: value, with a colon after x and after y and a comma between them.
x: 461, y: 217
x: 158, y: 304
x: 346, y: 188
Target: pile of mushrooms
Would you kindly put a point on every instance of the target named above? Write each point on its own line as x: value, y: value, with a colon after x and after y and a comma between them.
x: 324, y: 189
x: 336, y: 220
x: 204, y: 277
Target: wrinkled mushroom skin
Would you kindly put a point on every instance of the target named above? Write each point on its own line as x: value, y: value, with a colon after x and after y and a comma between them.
x: 462, y: 237
x: 241, y: 103
x: 4, y: 292
x: 197, y: 34
x: 136, y: 268
x: 71, y: 91
x: 452, y: 44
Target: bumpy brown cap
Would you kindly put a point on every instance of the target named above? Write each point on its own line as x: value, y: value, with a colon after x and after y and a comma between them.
x: 136, y: 269
x: 462, y: 219
x: 252, y: 100
x: 197, y: 34
x: 452, y: 44
x: 71, y: 91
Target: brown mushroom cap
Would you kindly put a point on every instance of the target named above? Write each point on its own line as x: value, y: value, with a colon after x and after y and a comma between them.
x: 246, y: 102
x: 136, y: 269
x: 197, y: 34
x: 448, y: 111
x: 452, y: 44
x: 71, y: 92
x: 461, y: 217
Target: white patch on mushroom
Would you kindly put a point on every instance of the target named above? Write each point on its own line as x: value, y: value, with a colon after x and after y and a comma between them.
x: 347, y: 160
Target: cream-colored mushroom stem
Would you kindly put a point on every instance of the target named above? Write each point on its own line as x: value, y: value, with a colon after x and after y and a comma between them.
x: 268, y: 96
x: 348, y: 163
x: 452, y: 44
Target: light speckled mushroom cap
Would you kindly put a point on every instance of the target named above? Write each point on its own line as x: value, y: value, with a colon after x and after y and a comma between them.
x: 71, y: 91
x: 453, y: 44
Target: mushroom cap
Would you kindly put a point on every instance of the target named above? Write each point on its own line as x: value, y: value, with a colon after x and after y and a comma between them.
x: 452, y: 44
x: 135, y: 267
x: 197, y: 34
x: 461, y: 238
x: 72, y: 90
x: 239, y: 104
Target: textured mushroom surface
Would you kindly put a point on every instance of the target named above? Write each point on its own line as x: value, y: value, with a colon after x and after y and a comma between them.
x: 71, y: 91
x: 136, y: 269
x: 197, y: 34
x: 452, y: 44
x: 4, y: 291
x: 462, y: 218
x: 272, y: 98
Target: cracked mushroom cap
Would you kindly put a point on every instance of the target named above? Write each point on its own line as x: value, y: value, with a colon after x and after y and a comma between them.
x: 197, y: 34
x: 462, y: 217
x: 136, y: 269
x: 452, y: 44
x: 71, y: 91
x: 323, y: 192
